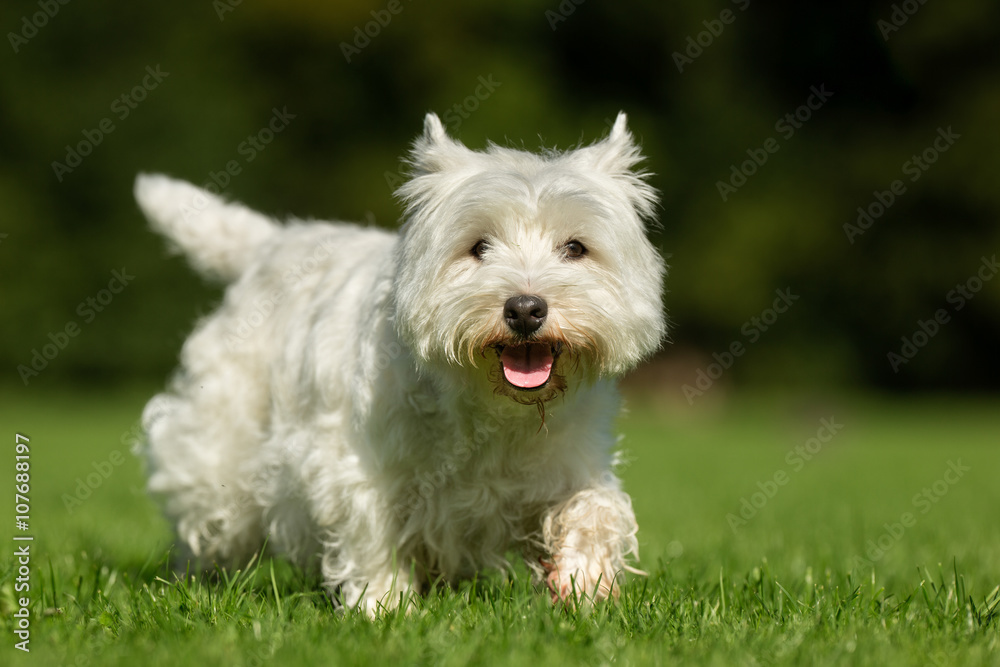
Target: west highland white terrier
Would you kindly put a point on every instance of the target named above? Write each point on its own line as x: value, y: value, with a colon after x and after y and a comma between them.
x: 394, y: 409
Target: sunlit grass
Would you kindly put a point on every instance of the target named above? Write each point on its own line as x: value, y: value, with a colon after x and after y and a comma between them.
x: 823, y: 572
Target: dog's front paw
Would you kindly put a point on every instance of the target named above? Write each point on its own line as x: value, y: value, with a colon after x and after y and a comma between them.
x: 378, y: 595
x: 572, y: 579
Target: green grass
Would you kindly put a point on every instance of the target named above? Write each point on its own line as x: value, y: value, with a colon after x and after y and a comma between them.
x: 789, y: 587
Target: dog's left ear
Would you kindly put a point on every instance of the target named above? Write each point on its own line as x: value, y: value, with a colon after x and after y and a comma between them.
x: 617, y: 156
x: 434, y: 150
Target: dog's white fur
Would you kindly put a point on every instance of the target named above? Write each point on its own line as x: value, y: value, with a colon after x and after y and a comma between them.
x: 345, y: 401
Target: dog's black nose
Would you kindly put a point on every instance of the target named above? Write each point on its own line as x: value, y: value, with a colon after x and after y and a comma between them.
x: 525, y: 314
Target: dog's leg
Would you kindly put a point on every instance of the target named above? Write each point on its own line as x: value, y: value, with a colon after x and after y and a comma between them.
x: 590, y: 537
x: 361, y: 568
x: 380, y: 593
x: 187, y: 447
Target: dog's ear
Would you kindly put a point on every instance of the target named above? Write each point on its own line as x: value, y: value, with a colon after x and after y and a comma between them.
x: 617, y: 156
x: 617, y: 153
x: 434, y: 150
x: 434, y: 130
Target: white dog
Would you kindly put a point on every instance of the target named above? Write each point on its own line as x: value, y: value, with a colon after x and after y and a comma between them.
x: 394, y: 409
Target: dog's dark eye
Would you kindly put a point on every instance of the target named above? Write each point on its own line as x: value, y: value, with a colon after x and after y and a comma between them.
x: 478, y: 249
x: 574, y: 250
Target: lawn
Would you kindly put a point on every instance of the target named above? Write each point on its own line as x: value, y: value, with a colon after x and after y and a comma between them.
x: 775, y: 530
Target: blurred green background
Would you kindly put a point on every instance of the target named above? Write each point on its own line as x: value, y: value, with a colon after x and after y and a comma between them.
x: 706, y: 86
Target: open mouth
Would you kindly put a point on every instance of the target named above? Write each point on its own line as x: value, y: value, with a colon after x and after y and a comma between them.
x: 528, y: 365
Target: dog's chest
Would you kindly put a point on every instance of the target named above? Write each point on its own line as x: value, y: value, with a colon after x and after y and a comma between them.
x: 480, y: 485
x: 465, y: 509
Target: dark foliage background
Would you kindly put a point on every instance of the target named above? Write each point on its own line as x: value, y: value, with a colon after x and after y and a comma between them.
x: 559, y: 73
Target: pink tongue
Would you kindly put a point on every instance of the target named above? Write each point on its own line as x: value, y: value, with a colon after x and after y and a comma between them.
x: 527, y: 366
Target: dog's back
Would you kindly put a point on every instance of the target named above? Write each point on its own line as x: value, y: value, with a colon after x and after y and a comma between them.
x: 241, y: 367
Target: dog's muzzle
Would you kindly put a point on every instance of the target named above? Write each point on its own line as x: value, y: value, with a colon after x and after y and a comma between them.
x: 527, y: 363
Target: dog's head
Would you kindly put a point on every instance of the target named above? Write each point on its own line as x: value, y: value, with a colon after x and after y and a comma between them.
x: 537, y: 265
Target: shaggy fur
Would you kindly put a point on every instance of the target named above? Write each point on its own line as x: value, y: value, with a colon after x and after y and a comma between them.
x: 351, y: 401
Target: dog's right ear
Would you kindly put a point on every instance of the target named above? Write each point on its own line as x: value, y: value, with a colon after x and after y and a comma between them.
x: 434, y: 150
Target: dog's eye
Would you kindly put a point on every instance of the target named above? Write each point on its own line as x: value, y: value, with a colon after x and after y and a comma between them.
x: 574, y: 250
x: 478, y: 249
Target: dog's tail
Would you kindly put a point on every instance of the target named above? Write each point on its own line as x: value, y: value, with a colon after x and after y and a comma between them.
x: 219, y: 238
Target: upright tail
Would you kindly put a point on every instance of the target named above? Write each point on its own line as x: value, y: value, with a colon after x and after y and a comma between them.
x: 219, y: 238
